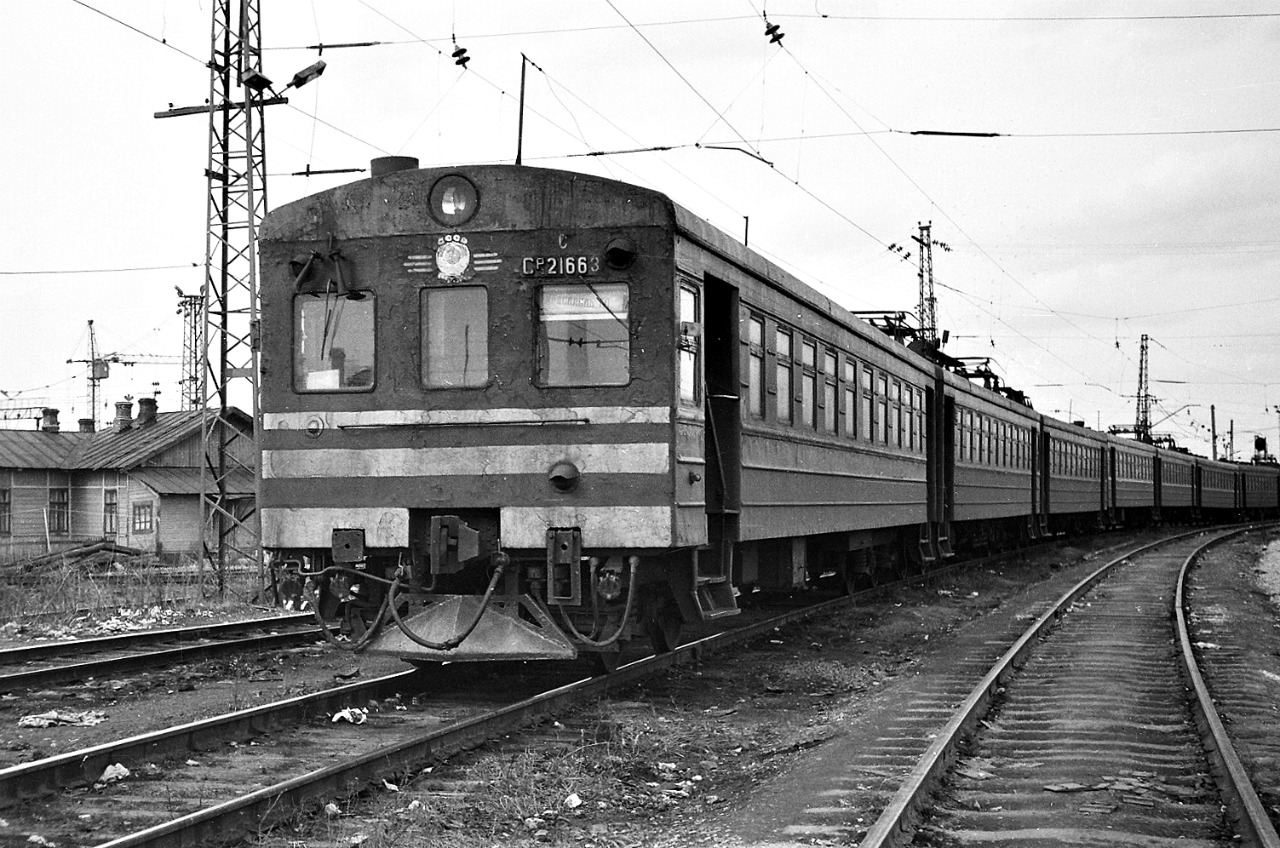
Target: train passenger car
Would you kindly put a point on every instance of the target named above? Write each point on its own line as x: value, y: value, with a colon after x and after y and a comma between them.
x: 995, y: 479
x: 473, y: 396
x: 1176, y: 495
x: 1074, y: 463
x: 1133, y: 481
x: 819, y: 425
x: 1259, y: 493
x: 1217, y: 488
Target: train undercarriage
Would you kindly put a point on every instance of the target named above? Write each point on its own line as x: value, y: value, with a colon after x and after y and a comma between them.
x: 455, y: 595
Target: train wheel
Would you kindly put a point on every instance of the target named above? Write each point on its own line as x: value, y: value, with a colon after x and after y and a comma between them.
x: 662, y: 626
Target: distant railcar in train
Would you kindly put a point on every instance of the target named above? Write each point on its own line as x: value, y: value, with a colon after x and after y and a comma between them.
x: 519, y: 413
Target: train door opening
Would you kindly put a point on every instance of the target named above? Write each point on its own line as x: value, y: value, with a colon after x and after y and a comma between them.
x: 723, y: 433
x: 941, y: 468
x: 1041, y: 481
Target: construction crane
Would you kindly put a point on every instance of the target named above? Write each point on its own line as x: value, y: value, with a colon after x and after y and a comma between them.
x: 99, y: 370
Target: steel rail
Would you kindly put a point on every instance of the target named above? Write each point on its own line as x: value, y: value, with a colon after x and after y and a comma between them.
x: 42, y: 650
x: 82, y: 767
x: 275, y: 804
x: 1247, y: 810
x: 57, y: 674
x: 904, y: 808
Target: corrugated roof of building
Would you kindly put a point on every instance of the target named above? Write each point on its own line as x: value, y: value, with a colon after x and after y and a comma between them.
x: 186, y: 481
x: 109, y: 449
x: 38, y: 449
x: 105, y: 449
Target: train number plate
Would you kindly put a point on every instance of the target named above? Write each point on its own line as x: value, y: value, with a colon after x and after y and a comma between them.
x: 557, y: 265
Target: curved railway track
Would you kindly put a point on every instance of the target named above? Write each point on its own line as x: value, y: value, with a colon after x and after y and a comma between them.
x: 52, y: 663
x: 229, y: 777
x: 1087, y: 735
x: 188, y: 783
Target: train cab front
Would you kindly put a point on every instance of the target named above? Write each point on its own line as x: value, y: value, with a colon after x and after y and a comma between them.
x: 481, y: 424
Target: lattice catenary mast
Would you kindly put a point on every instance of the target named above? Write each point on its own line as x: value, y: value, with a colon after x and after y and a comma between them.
x: 236, y: 180
x: 1142, y: 420
x: 928, y: 308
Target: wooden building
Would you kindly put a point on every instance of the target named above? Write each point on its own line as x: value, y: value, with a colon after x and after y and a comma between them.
x: 136, y: 483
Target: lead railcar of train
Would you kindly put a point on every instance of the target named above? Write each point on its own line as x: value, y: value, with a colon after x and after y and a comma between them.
x: 525, y: 413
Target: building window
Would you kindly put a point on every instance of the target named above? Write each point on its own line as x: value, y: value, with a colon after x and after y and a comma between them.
x: 584, y: 335
x: 333, y: 343
x: 755, y: 367
x: 455, y: 337
x: 690, y: 346
x: 6, y: 516
x: 109, y: 507
x: 782, y: 342
x: 143, y: 519
x: 59, y: 511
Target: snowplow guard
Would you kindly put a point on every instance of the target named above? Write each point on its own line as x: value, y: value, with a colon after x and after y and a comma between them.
x: 501, y: 633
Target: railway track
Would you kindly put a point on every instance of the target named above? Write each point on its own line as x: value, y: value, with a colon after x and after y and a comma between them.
x: 53, y: 663
x: 188, y: 783
x: 232, y: 776
x: 1086, y: 735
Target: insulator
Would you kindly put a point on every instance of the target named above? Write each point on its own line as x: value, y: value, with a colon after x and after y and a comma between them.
x: 774, y: 32
x: 460, y: 57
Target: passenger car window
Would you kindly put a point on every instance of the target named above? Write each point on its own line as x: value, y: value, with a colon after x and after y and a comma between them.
x: 755, y: 367
x: 584, y: 335
x: 455, y: 337
x: 782, y: 343
x: 690, y: 346
x: 333, y: 343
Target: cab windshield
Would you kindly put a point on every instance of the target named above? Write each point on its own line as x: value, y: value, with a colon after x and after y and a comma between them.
x: 584, y: 335
x: 333, y: 343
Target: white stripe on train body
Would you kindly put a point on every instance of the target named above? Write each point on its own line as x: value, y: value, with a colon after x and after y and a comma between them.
x: 522, y: 527
x: 445, y: 417
x: 478, y: 460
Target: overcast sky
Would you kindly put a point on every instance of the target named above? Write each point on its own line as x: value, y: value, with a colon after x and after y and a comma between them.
x: 1134, y: 188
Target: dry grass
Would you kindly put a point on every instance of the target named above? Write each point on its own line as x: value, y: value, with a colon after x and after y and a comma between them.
x: 58, y: 597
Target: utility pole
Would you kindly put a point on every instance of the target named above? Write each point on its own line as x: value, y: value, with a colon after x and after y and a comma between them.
x: 1213, y: 429
x: 928, y: 307
x: 236, y: 199
x: 1142, y: 420
x: 524, y: 63
x: 236, y: 176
